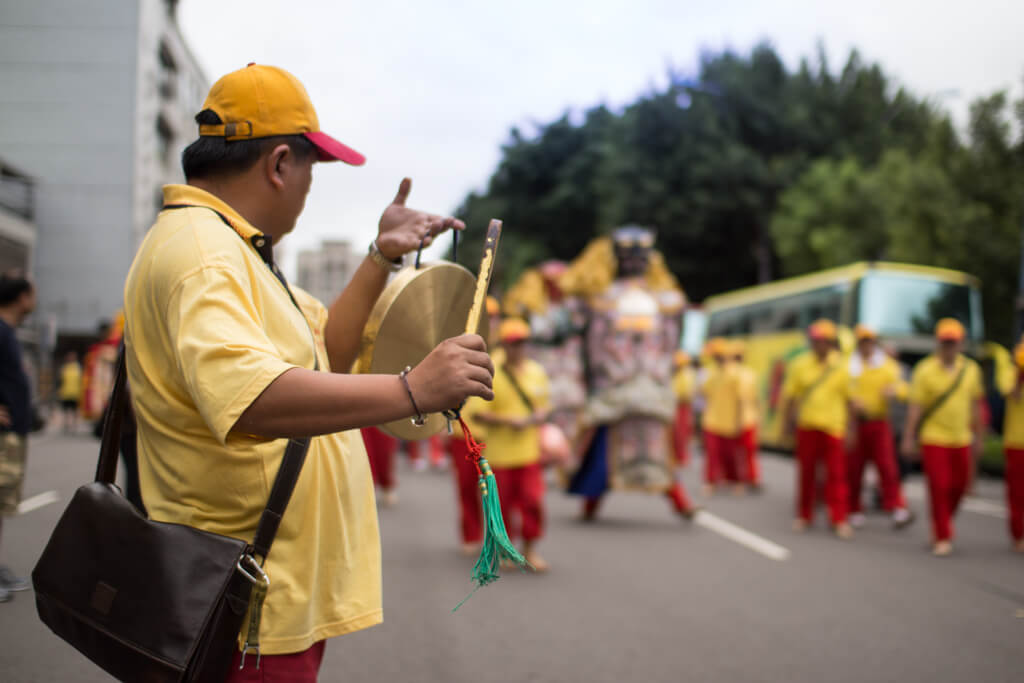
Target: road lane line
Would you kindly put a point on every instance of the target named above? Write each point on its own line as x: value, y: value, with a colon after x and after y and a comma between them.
x: 740, y: 535
x: 38, y: 501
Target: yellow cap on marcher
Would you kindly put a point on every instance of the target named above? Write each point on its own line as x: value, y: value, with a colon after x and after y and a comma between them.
x: 862, y: 331
x: 823, y: 329
x: 261, y: 101
x: 950, y: 329
x: 513, y: 330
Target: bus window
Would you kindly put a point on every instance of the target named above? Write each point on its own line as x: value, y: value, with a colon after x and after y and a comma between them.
x: 908, y: 305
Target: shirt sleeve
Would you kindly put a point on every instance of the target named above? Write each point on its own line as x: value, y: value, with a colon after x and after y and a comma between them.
x: 221, y: 347
x: 543, y: 397
x: 792, y: 385
x: 977, y: 384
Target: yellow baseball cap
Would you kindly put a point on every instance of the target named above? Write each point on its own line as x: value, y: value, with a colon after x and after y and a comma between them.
x: 949, y: 329
x: 493, y: 308
x: 737, y: 348
x: 681, y: 357
x: 864, y: 332
x: 261, y: 101
x: 513, y: 330
x: 716, y: 346
x: 823, y: 329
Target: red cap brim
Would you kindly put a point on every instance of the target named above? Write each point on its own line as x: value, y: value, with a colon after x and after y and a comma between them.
x: 330, y: 149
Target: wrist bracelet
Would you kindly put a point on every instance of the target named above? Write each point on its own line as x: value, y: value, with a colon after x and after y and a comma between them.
x: 383, y: 261
x: 420, y: 418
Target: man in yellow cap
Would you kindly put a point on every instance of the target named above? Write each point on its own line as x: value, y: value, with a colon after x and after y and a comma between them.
x: 817, y: 394
x: 521, y: 403
x: 749, y: 417
x: 720, y: 420
x: 1013, y: 446
x: 225, y: 363
x: 944, y: 419
x: 876, y: 381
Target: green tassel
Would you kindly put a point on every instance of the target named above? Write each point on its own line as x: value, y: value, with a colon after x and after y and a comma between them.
x: 496, y: 546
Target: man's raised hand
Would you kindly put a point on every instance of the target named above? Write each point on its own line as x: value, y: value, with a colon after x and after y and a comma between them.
x: 401, y: 229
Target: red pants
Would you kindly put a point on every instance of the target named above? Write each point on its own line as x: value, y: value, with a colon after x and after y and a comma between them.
x: 300, y: 667
x: 676, y: 495
x: 435, y: 452
x: 521, y: 490
x: 467, y: 486
x: 1015, y: 491
x: 381, y: 449
x: 874, y: 442
x: 948, y: 472
x: 814, y: 446
x: 748, y: 446
x: 681, y: 431
x: 719, y: 458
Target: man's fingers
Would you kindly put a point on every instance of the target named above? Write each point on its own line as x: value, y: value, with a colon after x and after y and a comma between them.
x: 403, y: 191
x: 471, y: 341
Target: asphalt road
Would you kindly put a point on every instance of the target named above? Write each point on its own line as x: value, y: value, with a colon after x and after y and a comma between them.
x: 639, y: 595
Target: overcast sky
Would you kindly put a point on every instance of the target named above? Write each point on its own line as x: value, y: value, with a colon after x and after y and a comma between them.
x: 431, y: 89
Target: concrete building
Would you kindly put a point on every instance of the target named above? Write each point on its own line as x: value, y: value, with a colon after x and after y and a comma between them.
x: 17, y: 229
x: 96, y: 105
x: 324, y: 272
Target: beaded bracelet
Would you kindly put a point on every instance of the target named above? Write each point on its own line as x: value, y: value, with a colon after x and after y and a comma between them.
x: 420, y: 418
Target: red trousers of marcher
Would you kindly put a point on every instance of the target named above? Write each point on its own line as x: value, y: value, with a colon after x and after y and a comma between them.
x: 1015, y: 491
x: 521, y: 490
x: 299, y: 667
x: 380, y: 447
x: 720, y: 458
x: 467, y: 486
x: 747, y: 445
x: 681, y: 431
x: 812, y: 447
x: 948, y: 472
x: 874, y: 442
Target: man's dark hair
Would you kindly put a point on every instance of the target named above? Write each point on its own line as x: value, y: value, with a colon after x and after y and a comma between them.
x: 12, y: 285
x: 211, y: 156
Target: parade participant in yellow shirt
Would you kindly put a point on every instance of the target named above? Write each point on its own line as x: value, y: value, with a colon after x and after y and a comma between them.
x: 683, y: 385
x: 720, y: 422
x: 876, y: 381
x: 226, y: 363
x: 817, y: 394
x: 746, y: 443
x: 1013, y: 446
x: 945, y: 419
x: 521, y: 403
x: 70, y: 392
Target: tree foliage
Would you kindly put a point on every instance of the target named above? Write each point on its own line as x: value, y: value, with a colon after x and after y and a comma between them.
x: 750, y: 171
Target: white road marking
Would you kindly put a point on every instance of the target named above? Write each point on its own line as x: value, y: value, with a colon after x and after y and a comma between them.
x: 740, y: 535
x: 38, y: 501
x: 980, y: 506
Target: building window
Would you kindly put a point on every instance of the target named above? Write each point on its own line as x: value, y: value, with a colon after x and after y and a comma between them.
x: 168, y: 78
x: 164, y: 138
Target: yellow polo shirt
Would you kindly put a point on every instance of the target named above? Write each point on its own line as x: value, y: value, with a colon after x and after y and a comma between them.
x: 506, y: 446
x: 70, y: 382
x: 746, y: 389
x: 869, y: 388
x: 950, y: 424
x: 822, y: 405
x: 1013, y: 421
x: 722, y: 395
x: 683, y: 384
x: 208, y: 328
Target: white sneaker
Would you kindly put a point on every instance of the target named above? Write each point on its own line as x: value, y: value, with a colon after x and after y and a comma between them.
x: 901, y: 518
x: 857, y: 520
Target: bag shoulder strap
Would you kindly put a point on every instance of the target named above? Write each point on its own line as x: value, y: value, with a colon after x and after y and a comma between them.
x: 818, y: 382
x: 518, y: 387
x: 941, y: 400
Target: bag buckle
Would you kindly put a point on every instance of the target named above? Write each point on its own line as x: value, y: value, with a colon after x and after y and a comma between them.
x: 254, y: 573
x: 247, y: 563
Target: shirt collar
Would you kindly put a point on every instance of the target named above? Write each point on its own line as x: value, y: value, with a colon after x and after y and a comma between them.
x: 193, y: 196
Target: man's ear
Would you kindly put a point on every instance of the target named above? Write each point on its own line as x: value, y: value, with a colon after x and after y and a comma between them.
x: 278, y: 164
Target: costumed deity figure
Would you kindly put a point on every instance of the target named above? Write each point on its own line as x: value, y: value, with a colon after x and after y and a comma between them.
x: 556, y: 342
x: 98, y: 369
x: 633, y: 317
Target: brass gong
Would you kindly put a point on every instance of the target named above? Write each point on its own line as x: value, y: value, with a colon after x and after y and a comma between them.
x: 421, y: 307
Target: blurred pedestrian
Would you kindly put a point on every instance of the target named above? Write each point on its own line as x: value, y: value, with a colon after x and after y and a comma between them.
x: 746, y: 445
x: 380, y: 450
x: 720, y: 422
x: 69, y: 393
x: 944, y: 420
x: 521, y: 403
x: 227, y: 363
x: 1013, y: 446
x: 876, y: 382
x: 17, y: 301
x: 684, y: 386
x: 817, y: 393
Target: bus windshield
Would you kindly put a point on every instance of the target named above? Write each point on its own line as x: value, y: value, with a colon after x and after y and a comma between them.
x: 909, y: 305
